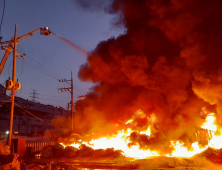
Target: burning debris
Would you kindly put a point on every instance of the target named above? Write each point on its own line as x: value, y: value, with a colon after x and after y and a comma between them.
x: 140, y: 141
x: 83, y: 150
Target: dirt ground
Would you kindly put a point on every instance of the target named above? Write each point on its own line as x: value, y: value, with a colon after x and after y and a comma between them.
x: 159, y: 163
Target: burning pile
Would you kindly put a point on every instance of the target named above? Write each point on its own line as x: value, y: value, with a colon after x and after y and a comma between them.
x: 168, y: 66
x: 134, y: 141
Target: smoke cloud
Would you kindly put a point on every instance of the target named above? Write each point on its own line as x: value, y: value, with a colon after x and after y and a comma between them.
x: 168, y: 63
x: 94, y: 5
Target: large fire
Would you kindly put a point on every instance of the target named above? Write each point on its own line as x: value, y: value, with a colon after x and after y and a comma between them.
x: 207, y: 135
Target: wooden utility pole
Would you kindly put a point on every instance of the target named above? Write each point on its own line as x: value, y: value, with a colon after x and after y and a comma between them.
x: 12, y: 90
x: 70, y: 89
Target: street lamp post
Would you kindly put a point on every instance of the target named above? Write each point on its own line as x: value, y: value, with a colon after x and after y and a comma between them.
x: 13, y: 86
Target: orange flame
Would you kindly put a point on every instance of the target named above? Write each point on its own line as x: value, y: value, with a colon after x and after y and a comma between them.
x: 121, y: 140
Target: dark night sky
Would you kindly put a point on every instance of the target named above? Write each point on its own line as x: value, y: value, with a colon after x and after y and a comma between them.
x: 51, y: 55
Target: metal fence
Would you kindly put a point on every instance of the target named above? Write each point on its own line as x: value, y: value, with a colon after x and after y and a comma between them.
x: 37, y: 146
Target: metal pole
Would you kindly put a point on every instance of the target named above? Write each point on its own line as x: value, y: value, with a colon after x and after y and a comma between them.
x: 12, y: 91
x: 72, y: 99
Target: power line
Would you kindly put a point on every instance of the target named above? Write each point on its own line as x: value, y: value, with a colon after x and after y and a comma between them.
x: 51, y: 100
x: 32, y: 114
x: 2, y: 18
x: 9, y: 67
x: 48, y: 72
x: 30, y: 63
x: 42, y: 99
x: 41, y: 71
x: 45, y: 68
x: 22, y: 70
x: 5, y: 100
x: 53, y: 96
x: 78, y: 89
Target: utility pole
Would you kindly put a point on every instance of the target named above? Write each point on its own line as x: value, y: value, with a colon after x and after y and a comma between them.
x: 11, y: 84
x: 70, y: 89
x: 12, y: 90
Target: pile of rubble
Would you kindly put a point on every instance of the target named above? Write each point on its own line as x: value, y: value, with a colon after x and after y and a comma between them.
x: 8, y: 160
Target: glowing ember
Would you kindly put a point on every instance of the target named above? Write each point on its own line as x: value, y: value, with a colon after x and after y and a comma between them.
x: 122, y: 140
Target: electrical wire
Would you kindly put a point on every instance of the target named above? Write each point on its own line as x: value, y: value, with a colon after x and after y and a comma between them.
x: 39, y: 65
x: 45, y: 67
x: 55, y: 74
x: 22, y: 69
x: 53, y: 96
x: 19, y: 91
x: 21, y: 49
x: 30, y: 63
x: 3, y: 83
x: 32, y: 114
x: 38, y: 100
x: 2, y: 17
x: 41, y: 71
x: 5, y: 100
x: 51, y: 100
x: 47, y: 73
x: 9, y: 67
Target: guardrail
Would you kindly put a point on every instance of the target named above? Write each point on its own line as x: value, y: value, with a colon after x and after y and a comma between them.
x: 37, y: 146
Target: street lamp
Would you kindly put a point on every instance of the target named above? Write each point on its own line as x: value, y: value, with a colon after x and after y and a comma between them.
x: 8, y: 46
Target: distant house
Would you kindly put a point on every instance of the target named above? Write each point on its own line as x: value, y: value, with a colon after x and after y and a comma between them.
x: 29, y: 117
